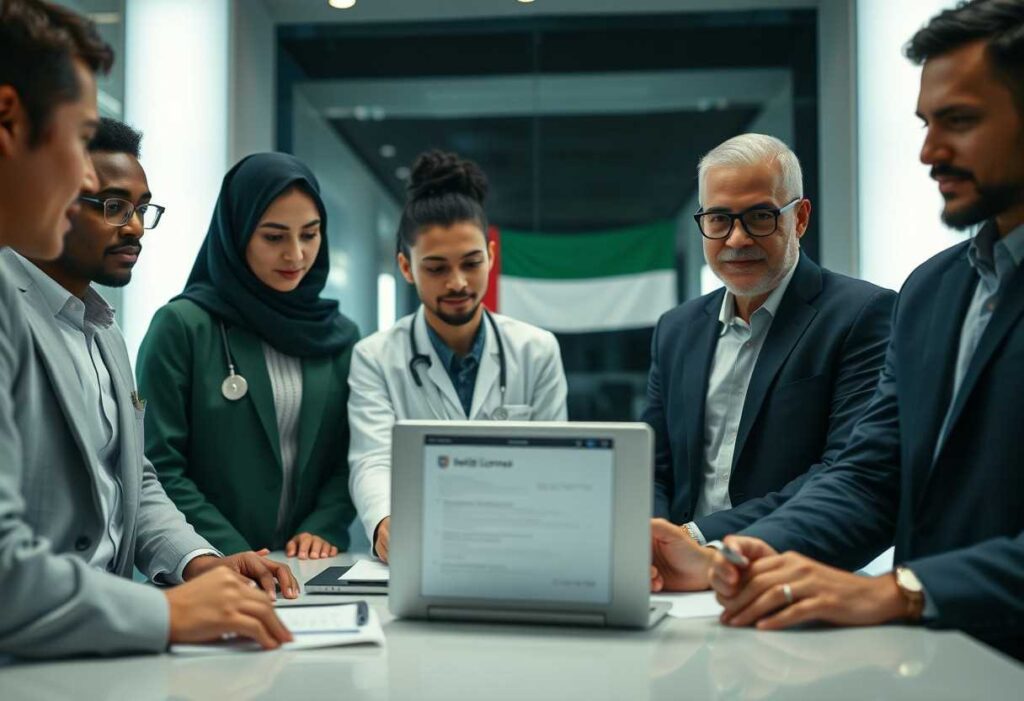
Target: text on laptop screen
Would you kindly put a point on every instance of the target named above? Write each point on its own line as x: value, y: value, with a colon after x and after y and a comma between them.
x: 518, y: 518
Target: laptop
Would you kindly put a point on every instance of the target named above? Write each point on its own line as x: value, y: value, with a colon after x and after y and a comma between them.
x: 528, y: 522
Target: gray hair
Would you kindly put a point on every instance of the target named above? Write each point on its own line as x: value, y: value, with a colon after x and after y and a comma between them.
x: 751, y: 150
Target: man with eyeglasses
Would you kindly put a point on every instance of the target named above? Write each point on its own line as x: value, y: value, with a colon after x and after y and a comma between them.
x: 755, y: 387
x: 87, y: 493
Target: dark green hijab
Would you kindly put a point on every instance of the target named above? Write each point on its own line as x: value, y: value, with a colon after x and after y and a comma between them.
x: 299, y: 322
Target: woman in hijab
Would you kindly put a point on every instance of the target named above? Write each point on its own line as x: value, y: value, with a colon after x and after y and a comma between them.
x: 245, y: 373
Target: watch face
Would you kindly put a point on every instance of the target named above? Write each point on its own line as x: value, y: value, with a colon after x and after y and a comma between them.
x: 908, y: 580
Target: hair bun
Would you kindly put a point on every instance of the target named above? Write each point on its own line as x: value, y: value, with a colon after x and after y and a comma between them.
x: 436, y: 173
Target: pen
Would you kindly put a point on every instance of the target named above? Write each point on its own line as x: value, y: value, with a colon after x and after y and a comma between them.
x: 728, y: 553
x: 362, y: 613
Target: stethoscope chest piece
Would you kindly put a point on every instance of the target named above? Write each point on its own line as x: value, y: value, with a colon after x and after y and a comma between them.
x: 234, y: 387
x: 500, y: 414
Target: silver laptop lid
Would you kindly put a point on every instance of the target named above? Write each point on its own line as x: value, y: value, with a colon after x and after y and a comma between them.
x: 521, y: 521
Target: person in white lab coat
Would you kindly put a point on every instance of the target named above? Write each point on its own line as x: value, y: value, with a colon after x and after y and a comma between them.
x: 451, y: 359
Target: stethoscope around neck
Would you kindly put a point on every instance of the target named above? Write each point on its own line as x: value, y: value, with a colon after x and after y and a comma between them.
x: 234, y: 386
x: 418, y: 358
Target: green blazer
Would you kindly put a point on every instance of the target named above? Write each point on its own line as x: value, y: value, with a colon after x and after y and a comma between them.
x: 220, y: 461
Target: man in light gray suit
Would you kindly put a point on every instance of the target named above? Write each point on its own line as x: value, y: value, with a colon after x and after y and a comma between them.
x: 79, y: 504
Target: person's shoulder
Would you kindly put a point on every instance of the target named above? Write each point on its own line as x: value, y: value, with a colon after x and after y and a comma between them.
x: 937, y: 265
x: 12, y: 321
x: 184, y: 312
x: 379, y: 342
x: 691, y: 311
x: 522, y: 333
x: 851, y: 290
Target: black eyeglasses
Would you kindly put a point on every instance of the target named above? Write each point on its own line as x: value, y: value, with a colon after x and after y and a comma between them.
x: 756, y: 221
x: 118, y: 211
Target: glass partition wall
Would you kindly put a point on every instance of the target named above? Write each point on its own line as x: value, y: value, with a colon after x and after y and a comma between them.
x: 589, y: 128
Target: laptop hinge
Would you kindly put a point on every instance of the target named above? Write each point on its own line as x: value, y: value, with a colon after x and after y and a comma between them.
x: 515, y: 616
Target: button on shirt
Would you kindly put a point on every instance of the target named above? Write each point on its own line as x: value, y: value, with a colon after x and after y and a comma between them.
x: 462, y: 371
x: 739, y: 345
x: 78, y: 322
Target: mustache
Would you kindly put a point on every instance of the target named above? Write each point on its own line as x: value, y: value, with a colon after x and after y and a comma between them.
x: 731, y: 255
x: 943, y: 169
x: 130, y: 248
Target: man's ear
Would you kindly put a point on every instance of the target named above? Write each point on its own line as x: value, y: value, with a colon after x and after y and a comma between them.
x: 803, y: 217
x: 14, y: 125
x: 405, y: 267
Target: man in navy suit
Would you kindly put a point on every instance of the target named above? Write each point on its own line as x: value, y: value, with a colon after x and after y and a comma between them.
x: 757, y: 385
x: 936, y: 463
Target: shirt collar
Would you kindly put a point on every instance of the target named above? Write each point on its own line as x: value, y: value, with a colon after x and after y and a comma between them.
x: 727, y: 314
x: 93, y: 309
x: 986, y: 242
x: 447, y: 355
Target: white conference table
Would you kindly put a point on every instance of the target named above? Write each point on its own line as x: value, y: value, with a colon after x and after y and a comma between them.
x: 677, y: 660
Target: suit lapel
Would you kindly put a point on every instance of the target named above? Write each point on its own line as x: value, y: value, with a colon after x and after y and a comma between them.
x: 59, y: 367
x: 1004, y: 318
x: 792, y: 318
x: 131, y: 448
x: 316, y: 381
x: 942, y: 344
x: 696, y: 368
x: 250, y: 363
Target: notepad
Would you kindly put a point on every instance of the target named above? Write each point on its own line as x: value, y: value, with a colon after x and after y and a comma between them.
x: 698, y: 604
x: 366, y: 571
x: 317, y: 626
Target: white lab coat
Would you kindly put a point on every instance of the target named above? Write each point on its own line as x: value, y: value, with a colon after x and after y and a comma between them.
x: 382, y: 391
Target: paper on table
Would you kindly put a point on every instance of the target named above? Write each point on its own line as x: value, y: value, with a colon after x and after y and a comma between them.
x: 330, y: 625
x: 366, y: 571
x: 698, y: 604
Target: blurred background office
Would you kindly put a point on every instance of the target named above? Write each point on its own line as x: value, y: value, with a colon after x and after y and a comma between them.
x: 588, y: 115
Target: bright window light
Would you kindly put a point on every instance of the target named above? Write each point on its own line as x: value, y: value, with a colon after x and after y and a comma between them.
x: 176, y: 93
x: 899, y: 204
x: 385, y: 301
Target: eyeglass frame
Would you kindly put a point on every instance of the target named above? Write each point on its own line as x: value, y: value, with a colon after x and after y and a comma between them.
x: 132, y: 210
x: 738, y: 216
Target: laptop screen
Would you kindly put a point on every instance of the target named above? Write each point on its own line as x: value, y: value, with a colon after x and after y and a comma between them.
x: 518, y: 518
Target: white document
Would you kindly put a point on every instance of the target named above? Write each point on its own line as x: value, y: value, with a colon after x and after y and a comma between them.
x: 518, y: 519
x: 329, y: 625
x: 697, y: 604
x: 366, y: 571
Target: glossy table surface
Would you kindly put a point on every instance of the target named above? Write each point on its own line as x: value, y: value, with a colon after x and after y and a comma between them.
x: 678, y: 659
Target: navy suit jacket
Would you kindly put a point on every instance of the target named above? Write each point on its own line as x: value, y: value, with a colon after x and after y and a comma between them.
x: 815, y: 374
x: 957, y: 517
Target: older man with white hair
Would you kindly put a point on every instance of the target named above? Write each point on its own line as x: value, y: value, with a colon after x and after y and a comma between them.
x: 756, y: 386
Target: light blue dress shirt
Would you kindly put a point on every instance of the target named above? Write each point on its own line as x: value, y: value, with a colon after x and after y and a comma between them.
x: 462, y: 371
x: 739, y: 345
x: 78, y: 321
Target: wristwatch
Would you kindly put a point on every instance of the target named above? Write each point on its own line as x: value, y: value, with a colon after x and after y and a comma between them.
x: 912, y: 592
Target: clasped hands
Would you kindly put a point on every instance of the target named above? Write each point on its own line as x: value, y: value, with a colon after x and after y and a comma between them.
x: 756, y: 594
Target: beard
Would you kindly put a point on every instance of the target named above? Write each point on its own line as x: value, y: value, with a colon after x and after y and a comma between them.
x: 456, y: 319
x: 771, y: 279
x: 992, y: 200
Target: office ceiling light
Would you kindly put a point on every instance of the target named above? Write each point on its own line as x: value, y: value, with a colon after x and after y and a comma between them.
x: 525, y: 2
x: 341, y: 4
x: 402, y: 172
x: 388, y: 151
